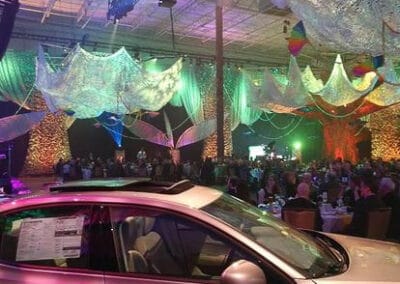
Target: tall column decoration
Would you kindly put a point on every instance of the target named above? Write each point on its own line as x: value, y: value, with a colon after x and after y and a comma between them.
x: 210, y: 143
x: 48, y: 142
x: 385, y: 132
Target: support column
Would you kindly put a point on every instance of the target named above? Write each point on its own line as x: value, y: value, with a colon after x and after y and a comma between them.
x: 219, y: 61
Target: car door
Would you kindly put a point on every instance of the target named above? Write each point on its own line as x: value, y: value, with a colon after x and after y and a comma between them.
x: 48, y: 245
x: 158, y: 246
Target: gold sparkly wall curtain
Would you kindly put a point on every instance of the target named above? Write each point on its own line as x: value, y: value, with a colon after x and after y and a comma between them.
x: 210, y: 143
x: 48, y: 142
x: 384, y: 126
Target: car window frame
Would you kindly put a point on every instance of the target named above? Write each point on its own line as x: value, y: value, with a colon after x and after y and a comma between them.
x: 263, y: 263
x: 89, y: 270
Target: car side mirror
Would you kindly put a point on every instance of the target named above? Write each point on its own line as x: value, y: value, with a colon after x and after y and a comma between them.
x: 243, y: 271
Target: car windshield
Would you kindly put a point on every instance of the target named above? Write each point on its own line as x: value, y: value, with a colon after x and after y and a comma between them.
x: 298, y: 249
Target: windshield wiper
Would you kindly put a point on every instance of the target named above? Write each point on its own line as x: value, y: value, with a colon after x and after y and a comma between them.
x: 332, y: 249
x: 335, y: 267
x: 332, y: 267
x: 326, y: 270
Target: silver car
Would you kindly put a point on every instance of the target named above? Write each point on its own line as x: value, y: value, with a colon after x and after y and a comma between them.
x: 138, y: 231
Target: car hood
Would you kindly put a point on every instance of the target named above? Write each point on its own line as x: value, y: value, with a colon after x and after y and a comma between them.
x: 370, y: 261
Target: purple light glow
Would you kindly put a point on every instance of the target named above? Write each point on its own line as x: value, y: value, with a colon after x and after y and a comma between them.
x: 18, y: 187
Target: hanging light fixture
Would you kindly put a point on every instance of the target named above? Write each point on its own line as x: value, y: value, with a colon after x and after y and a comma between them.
x: 117, y: 9
x: 166, y: 3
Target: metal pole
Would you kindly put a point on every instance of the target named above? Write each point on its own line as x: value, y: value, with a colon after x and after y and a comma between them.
x: 172, y: 28
x: 219, y: 61
x: 9, y: 161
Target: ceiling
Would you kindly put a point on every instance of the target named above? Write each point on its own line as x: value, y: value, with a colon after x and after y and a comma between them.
x: 254, y: 31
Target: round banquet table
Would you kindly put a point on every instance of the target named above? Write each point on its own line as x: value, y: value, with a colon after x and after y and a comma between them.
x: 335, y: 222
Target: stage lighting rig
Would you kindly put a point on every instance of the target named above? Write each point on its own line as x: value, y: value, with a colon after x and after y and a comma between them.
x: 118, y: 9
x: 166, y: 3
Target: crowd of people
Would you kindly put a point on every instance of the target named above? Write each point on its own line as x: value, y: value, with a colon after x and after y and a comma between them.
x: 362, y: 187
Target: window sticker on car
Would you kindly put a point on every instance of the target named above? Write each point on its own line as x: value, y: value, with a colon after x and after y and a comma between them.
x: 50, y: 238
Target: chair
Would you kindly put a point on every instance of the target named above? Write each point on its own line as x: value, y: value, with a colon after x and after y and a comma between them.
x: 136, y: 262
x: 304, y: 218
x: 378, y: 223
x: 130, y: 229
x: 155, y: 252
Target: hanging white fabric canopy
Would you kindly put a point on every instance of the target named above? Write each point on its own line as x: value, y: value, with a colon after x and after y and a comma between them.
x: 297, y: 93
x: 88, y: 85
x: 339, y: 90
x: 354, y: 26
x: 273, y: 96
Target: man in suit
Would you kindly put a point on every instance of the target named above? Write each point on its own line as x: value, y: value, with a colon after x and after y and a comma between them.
x: 368, y: 201
x: 302, y: 200
x: 392, y: 200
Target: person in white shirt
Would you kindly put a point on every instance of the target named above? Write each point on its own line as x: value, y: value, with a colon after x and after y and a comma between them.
x: 141, y: 155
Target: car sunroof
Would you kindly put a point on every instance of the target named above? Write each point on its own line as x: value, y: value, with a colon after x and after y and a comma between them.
x: 123, y: 184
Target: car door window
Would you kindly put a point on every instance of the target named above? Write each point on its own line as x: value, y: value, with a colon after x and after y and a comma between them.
x: 157, y: 243
x: 52, y: 236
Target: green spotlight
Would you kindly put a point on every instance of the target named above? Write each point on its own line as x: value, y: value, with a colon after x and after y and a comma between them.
x: 297, y: 145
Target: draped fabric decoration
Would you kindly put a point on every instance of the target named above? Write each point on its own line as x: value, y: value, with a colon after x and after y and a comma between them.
x: 16, y: 125
x: 148, y: 132
x: 205, y: 78
x: 337, y: 104
x: 388, y: 92
x: 189, y: 96
x: 240, y: 111
x: 168, y: 130
x: 90, y: 84
x: 17, y: 76
x: 191, y: 135
x: 113, y: 124
x: 48, y: 139
x: 303, y: 89
x: 272, y: 95
x: 339, y: 90
x: 312, y: 84
x: 354, y: 26
x: 281, y: 4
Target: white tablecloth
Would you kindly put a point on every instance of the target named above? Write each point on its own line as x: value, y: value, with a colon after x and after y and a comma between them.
x: 335, y: 223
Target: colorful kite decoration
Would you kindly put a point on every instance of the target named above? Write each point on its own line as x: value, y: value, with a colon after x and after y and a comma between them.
x: 369, y: 66
x: 297, y: 39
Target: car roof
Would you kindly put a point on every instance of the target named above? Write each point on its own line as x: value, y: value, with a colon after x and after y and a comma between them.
x: 120, y: 191
x: 126, y: 184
